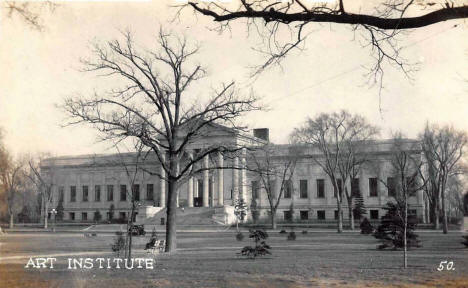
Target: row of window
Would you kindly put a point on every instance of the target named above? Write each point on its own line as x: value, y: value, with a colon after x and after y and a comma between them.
x: 84, y: 216
x: 320, y: 183
x: 109, y: 193
x: 304, y: 215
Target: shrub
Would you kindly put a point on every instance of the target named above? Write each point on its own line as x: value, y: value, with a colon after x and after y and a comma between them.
x: 261, y: 248
x: 119, y: 242
x: 366, y: 227
x: 239, y: 236
x: 304, y: 232
x: 291, y: 236
x: 465, y: 240
x: 391, y: 229
x: 282, y: 231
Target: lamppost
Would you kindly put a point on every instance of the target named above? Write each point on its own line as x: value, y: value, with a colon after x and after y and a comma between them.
x: 53, y: 213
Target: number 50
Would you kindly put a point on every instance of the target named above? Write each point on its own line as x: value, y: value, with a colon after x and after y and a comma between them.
x: 448, y: 266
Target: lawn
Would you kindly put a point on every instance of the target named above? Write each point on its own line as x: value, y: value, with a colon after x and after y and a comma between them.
x: 325, y: 259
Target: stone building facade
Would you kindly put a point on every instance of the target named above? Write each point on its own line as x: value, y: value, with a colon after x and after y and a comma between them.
x: 90, y: 183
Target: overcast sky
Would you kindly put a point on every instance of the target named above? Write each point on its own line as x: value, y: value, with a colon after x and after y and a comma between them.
x: 39, y: 69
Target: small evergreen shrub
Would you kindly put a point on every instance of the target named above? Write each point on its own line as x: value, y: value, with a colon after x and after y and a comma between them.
x: 366, y: 227
x: 239, y: 236
x: 119, y: 242
x: 465, y: 240
x: 304, y: 232
x: 291, y: 236
x: 391, y: 229
x: 261, y: 248
x: 282, y: 231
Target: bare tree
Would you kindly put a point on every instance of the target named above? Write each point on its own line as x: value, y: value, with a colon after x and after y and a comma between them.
x: 157, y: 107
x: 274, y: 169
x: 11, y: 179
x: 336, y: 136
x: 30, y: 13
x: 443, y: 148
x: 405, y: 162
x: 382, y: 21
x: 44, y: 182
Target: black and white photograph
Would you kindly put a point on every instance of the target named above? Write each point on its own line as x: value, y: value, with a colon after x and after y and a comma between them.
x: 234, y: 143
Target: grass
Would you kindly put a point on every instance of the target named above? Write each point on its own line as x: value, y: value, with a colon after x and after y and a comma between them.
x: 210, y: 260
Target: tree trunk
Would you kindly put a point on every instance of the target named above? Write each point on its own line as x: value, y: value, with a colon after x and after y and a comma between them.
x: 405, y: 224
x: 273, y: 219
x: 11, y: 221
x: 340, y: 215
x: 46, y: 214
x: 129, y: 255
x: 171, y: 233
x: 444, y: 214
x: 435, y: 212
x: 350, y: 213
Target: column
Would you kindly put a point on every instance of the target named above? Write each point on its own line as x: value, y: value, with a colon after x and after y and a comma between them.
x: 220, y: 180
x: 244, y: 176
x: 235, y: 178
x: 178, y: 185
x: 162, y: 195
x: 206, y: 182
x: 190, y: 184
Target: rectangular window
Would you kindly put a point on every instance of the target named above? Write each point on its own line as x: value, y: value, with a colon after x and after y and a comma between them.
x: 355, y: 191
x: 391, y: 186
x: 97, y: 193
x: 287, y: 189
x: 304, y: 215
x: 321, y: 214
x: 303, y: 189
x: 110, y: 192
x: 320, y: 188
x: 411, y: 184
x: 85, y: 193
x: 123, y: 192
x: 72, y: 216
x: 60, y: 193
x: 373, y: 187
x: 84, y: 216
x: 374, y: 214
x: 72, y: 193
x: 122, y: 215
x: 412, y: 212
x: 287, y: 215
x: 149, y: 192
x: 136, y: 192
x: 255, y: 189
x: 339, y: 183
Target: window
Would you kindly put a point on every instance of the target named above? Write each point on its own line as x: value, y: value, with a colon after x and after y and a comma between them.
x: 85, y: 193
x: 123, y: 216
x: 339, y: 183
x: 60, y: 193
x: 303, y: 188
x: 355, y: 191
x: 411, y: 184
x: 97, y: 193
x: 110, y: 192
x: 136, y: 192
x: 123, y: 192
x: 374, y: 214
x: 287, y: 215
x: 320, y: 188
x: 412, y: 212
x: 255, y: 189
x: 373, y: 187
x: 84, y: 216
x: 391, y: 186
x: 72, y: 193
x: 72, y: 216
x: 149, y: 191
x: 287, y: 189
x: 336, y: 214
x: 109, y: 216
x: 321, y: 214
x: 304, y: 215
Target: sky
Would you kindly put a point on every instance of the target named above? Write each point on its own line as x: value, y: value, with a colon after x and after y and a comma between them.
x: 39, y: 69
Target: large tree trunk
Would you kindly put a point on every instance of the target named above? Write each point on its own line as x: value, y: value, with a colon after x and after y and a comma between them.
x: 350, y: 213
x: 273, y: 219
x: 46, y: 214
x: 11, y: 220
x: 171, y: 229
x: 444, y: 214
x: 340, y: 215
